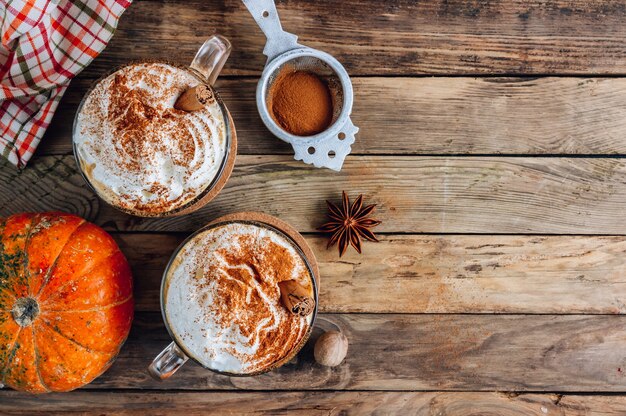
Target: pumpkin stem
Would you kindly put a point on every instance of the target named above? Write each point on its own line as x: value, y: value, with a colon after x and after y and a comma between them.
x: 24, y: 311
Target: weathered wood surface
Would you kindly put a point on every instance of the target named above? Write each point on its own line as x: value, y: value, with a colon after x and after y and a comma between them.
x: 415, y: 194
x: 391, y: 348
x: 416, y: 352
x: 437, y: 116
x: 392, y: 37
x: 312, y: 403
x: 439, y: 274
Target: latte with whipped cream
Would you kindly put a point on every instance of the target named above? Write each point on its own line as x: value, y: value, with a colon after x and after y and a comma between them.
x: 139, y: 152
x: 222, y: 302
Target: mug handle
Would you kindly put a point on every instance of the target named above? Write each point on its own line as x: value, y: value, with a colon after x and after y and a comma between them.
x: 211, y: 57
x: 167, y: 362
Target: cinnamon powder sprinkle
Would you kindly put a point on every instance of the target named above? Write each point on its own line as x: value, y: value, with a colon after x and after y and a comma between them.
x: 241, y: 275
x: 240, y: 297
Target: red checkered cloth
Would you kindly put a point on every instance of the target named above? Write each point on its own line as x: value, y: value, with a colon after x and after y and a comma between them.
x: 44, y: 44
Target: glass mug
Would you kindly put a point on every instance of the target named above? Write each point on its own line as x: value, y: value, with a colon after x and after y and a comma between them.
x: 205, y: 67
x: 176, y: 354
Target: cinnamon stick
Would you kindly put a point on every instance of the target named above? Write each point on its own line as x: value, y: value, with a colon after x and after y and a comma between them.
x: 194, y: 98
x: 296, y: 298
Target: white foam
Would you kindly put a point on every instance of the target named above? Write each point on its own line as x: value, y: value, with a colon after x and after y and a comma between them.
x: 189, y: 299
x: 161, y: 161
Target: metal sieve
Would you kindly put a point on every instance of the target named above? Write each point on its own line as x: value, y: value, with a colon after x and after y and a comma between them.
x: 329, y: 148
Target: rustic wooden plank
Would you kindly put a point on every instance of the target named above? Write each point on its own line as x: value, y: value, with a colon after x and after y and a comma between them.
x: 438, y: 116
x: 439, y: 274
x: 312, y: 403
x: 565, y: 353
x: 415, y: 194
x: 392, y: 37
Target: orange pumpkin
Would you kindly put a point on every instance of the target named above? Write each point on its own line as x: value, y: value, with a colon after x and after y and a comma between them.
x: 66, y: 301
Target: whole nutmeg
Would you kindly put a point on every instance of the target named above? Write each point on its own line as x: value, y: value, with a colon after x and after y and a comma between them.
x: 331, y: 348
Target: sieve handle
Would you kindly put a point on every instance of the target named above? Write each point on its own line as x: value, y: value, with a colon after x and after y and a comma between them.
x: 278, y: 41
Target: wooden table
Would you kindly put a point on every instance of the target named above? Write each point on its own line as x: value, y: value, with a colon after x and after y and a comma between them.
x: 492, y: 138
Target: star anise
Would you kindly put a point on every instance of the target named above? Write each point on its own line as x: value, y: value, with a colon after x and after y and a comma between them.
x: 349, y: 223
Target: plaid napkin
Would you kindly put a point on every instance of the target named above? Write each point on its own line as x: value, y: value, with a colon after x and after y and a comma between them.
x: 44, y: 44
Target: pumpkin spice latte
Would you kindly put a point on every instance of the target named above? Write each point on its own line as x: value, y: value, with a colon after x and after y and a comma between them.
x: 222, y: 299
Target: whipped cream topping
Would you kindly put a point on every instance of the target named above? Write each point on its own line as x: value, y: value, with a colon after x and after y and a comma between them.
x: 140, y: 153
x: 222, y: 300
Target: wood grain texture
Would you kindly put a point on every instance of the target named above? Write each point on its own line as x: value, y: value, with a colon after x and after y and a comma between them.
x: 437, y: 116
x: 379, y: 299
x: 564, y: 353
x: 311, y: 403
x: 415, y: 194
x: 439, y: 274
x: 392, y: 37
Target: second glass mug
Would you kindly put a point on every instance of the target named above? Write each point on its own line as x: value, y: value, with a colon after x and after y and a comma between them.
x: 175, y: 355
x: 205, y: 67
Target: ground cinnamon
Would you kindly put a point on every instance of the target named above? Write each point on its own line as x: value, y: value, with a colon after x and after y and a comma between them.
x: 248, y: 277
x: 300, y: 102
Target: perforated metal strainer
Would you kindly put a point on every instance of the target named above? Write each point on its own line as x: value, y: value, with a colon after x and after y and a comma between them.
x: 329, y: 148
